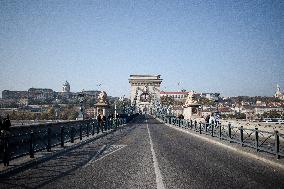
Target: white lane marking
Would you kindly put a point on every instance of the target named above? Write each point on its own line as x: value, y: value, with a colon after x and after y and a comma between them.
x: 95, y: 157
x: 248, y: 154
x: 107, y: 154
x: 159, y: 178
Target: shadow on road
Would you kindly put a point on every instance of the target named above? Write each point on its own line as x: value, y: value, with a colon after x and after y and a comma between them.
x: 61, y: 166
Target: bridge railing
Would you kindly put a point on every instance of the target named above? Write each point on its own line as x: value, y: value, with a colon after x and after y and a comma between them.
x: 267, y: 141
x: 27, y: 140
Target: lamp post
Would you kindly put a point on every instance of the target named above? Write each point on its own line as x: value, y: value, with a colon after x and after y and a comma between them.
x: 81, y: 97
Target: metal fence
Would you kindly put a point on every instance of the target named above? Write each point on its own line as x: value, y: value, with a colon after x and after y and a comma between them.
x: 271, y: 142
x: 27, y: 140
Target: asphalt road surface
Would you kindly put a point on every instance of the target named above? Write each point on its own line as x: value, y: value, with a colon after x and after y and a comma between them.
x: 148, y: 154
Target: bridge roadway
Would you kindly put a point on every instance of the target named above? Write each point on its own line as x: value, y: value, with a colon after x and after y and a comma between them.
x: 148, y: 154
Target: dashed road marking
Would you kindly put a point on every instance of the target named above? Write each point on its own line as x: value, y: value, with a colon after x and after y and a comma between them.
x: 111, y: 150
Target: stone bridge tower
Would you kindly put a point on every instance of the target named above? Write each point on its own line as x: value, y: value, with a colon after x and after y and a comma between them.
x: 145, y: 91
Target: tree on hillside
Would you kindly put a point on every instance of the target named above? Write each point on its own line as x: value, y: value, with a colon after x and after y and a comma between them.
x: 167, y: 101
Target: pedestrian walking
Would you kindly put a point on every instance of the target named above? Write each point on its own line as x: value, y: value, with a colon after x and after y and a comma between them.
x: 5, y: 135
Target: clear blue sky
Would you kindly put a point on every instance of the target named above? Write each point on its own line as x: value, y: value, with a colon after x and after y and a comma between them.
x: 231, y: 47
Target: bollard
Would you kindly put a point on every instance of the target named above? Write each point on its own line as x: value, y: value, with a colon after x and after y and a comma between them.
x: 80, y: 131
x: 48, y: 139
x: 200, y: 129
x: 206, y: 125
x: 98, y: 126
x: 242, y: 135
x: 170, y: 120
x: 230, y: 132
x: 179, y: 122
x: 32, y: 144
x: 6, y: 157
x: 195, y: 125
x: 212, y: 129
x: 256, y: 139
x: 93, y: 129
x: 87, y: 130
x: 72, y: 134
x: 62, y: 136
x: 191, y: 124
x: 277, y: 145
x: 220, y: 131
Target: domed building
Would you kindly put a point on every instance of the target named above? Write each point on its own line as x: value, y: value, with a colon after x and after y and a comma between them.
x: 66, y: 87
x: 278, y: 93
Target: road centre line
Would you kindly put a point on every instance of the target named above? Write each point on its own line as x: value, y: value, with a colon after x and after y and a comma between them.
x: 159, y: 178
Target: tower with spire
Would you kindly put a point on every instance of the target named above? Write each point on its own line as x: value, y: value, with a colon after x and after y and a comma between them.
x: 278, y: 93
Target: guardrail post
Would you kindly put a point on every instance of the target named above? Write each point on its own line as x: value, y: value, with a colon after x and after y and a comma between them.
x: 93, y: 127
x: 200, y: 129
x: 87, y: 129
x: 6, y: 151
x: 256, y: 139
x: 62, y: 136
x: 230, y: 132
x: 80, y: 131
x: 72, y: 134
x: 212, y: 129
x: 242, y: 135
x: 277, y: 145
x: 48, y: 139
x: 32, y: 144
x: 98, y: 125
x: 220, y: 131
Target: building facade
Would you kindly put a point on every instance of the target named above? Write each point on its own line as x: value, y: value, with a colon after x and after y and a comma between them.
x: 145, y: 92
x: 278, y: 93
x: 176, y: 95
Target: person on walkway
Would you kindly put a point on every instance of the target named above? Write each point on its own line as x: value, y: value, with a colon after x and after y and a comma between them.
x: 1, y: 125
x: 207, y: 119
x: 212, y: 119
x: 5, y: 131
x: 6, y: 124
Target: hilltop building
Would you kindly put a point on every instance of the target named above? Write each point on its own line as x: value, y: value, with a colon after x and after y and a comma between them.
x: 278, y: 93
x: 66, y: 87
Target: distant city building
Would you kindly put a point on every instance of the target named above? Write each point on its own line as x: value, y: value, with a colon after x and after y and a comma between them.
x: 261, y: 110
x: 210, y: 96
x: 92, y: 94
x: 7, y: 94
x: 278, y: 93
x: 176, y: 95
x: 66, y: 87
x: 40, y: 94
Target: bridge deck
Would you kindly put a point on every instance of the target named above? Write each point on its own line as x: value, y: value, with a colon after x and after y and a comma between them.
x: 148, y: 154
